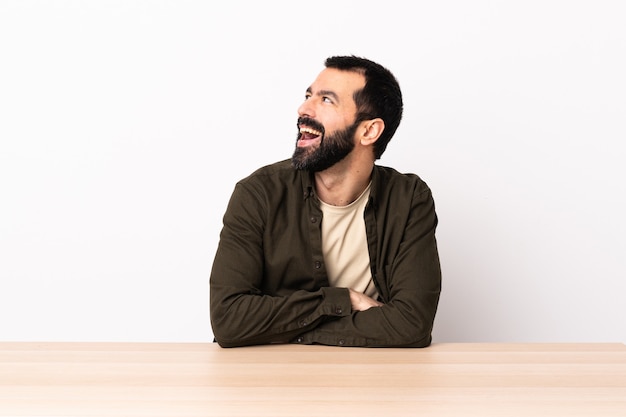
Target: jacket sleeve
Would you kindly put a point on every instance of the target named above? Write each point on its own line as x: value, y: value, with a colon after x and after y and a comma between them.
x: 241, y: 314
x: 413, y: 277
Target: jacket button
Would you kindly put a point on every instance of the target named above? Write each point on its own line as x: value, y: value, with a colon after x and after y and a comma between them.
x: 313, y: 219
x: 338, y: 310
x: 341, y: 342
x: 318, y: 264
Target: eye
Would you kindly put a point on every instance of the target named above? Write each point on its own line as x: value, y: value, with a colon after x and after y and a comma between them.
x: 327, y: 99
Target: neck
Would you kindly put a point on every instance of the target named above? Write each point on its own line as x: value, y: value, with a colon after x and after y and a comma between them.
x: 340, y: 185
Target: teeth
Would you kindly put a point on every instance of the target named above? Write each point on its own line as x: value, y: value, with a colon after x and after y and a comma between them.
x: 309, y: 130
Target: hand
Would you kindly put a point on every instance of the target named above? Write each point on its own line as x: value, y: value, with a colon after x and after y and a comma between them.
x: 361, y: 302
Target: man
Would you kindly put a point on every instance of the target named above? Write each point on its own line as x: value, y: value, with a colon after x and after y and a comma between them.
x: 328, y: 247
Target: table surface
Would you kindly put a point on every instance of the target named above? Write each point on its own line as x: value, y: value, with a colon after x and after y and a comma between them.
x: 202, y: 379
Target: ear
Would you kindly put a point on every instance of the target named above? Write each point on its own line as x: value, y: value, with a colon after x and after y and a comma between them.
x: 373, y: 129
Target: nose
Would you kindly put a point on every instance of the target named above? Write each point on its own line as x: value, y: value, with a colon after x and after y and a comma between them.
x: 306, y: 109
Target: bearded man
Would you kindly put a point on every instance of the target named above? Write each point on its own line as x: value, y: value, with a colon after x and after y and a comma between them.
x: 329, y: 247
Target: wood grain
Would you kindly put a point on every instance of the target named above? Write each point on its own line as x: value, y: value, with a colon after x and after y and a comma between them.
x: 202, y: 379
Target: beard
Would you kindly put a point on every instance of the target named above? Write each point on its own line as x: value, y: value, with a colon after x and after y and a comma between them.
x: 332, y: 149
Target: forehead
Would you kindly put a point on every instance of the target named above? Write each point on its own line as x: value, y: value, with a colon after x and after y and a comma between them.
x: 342, y: 83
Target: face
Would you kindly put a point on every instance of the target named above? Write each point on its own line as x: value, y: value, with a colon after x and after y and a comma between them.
x: 327, y: 120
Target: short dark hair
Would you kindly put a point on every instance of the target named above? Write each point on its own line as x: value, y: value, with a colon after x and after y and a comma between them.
x: 380, y: 97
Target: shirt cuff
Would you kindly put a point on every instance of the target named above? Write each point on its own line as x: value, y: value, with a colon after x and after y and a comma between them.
x: 336, y: 302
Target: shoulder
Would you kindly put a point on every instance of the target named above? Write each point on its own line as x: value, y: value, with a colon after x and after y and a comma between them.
x: 277, y: 169
x: 401, y: 195
x: 275, y: 178
x: 389, y: 180
x: 281, y: 171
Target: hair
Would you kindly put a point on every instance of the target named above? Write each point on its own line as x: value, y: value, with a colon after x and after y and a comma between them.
x: 380, y: 97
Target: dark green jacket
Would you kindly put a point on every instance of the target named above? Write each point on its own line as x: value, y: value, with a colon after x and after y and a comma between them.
x: 268, y: 283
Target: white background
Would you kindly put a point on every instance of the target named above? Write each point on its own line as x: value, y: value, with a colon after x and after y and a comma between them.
x: 125, y: 124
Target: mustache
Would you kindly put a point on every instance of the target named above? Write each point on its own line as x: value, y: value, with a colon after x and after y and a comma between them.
x: 311, y: 123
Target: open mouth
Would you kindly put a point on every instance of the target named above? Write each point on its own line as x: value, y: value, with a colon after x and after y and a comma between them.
x: 308, y: 135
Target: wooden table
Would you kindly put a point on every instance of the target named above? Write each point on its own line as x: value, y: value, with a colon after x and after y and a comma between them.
x: 202, y: 379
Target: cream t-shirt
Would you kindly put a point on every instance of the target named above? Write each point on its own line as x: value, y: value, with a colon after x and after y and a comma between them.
x: 344, y: 244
